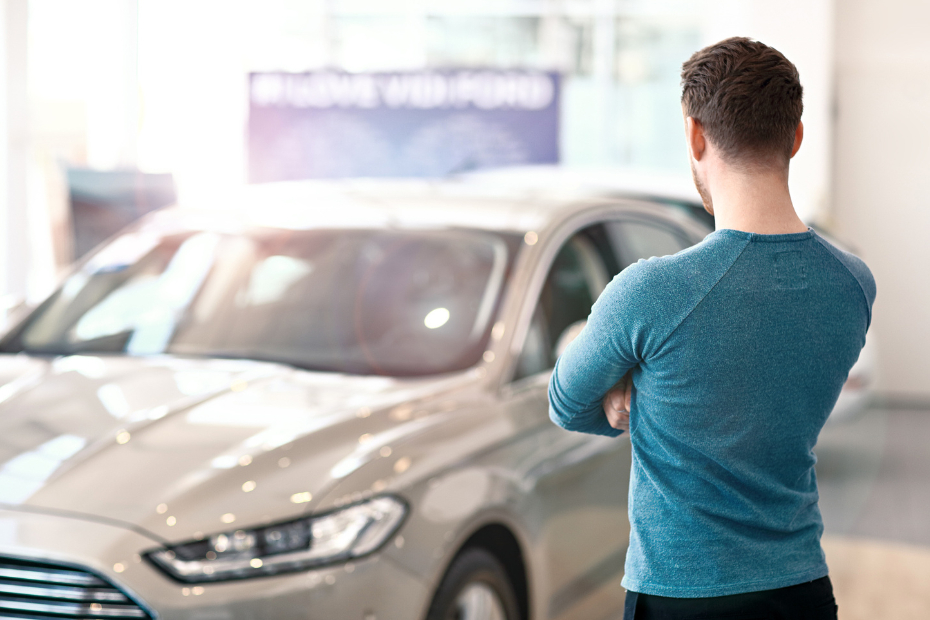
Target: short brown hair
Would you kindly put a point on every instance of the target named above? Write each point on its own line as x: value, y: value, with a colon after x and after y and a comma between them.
x: 747, y: 96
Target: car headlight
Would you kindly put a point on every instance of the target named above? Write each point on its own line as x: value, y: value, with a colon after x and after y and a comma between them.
x: 341, y: 535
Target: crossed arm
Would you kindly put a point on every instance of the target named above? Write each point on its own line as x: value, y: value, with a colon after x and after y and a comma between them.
x: 617, y: 403
x: 590, y: 390
x: 585, y: 394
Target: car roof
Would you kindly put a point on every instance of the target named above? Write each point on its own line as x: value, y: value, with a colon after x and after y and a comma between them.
x: 513, y: 200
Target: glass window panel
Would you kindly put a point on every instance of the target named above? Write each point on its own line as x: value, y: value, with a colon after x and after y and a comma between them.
x: 396, y: 303
x: 575, y: 279
x: 633, y: 240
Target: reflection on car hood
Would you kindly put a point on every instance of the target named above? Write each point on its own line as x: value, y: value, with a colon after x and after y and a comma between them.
x: 183, y: 447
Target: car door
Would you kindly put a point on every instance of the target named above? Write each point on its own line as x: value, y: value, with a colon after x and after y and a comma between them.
x: 580, y: 482
x: 577, y: 483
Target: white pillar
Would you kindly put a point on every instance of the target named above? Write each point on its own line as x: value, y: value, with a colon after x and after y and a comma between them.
x: 882, y: 181
x: 14, y: 131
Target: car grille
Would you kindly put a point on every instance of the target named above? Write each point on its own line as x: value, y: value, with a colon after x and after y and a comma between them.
x: 33, y: 590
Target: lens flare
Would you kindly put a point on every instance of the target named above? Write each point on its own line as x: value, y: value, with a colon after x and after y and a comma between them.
x: 436, y: 318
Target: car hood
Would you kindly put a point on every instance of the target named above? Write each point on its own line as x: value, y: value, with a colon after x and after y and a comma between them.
x: 178, y: 447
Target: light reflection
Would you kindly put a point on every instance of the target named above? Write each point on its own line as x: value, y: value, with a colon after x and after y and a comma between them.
x: 25, y: 474
x: 436, y: 318
x: 157, y: 413
x: 90, y: 367
x: 113, y: 399
x: 192, y: 382
x: 401, y: 413
x: 76, y: 283
x: 248, y: 486
x: 228, y: 517
x: 8, y: 391
x: 402, y: 464
x: 301, y: 498
x: 221, y: 543
x: 118, y: 254
x: 346, y: 466
x: 226, y: 461
x: 271, y: 279
x: 148, y: 306
x: 271, y: 438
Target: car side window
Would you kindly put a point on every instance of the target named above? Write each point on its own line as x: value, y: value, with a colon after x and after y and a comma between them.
x: 575, y: 279
x: 635, y: 239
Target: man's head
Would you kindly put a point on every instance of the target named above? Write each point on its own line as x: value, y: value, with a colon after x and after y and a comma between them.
x: 746, y: 99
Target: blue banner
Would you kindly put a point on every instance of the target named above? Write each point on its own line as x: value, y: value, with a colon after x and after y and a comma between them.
x: 329, y: 124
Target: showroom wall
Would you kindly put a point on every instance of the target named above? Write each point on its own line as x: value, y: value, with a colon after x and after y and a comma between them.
x: 882, y: 175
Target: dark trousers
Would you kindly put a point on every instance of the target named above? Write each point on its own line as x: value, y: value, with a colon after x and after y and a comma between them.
x: 806, y: 601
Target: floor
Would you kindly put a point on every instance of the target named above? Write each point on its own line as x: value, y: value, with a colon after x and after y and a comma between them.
x: 874, y: 478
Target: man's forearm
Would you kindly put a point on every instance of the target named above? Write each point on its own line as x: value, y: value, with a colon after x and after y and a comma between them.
x: 577, y: 416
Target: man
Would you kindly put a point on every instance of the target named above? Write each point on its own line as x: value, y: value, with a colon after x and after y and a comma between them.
x: 736, y: 350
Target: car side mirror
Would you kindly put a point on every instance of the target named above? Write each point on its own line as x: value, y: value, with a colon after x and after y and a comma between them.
x: 568, y: 335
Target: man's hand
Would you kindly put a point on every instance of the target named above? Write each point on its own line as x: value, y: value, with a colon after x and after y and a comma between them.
x: 617, y: 403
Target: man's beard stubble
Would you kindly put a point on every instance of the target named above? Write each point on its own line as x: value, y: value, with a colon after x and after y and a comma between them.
x: 702, y: 190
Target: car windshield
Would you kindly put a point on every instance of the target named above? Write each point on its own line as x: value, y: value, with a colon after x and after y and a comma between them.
x: 387, y: 302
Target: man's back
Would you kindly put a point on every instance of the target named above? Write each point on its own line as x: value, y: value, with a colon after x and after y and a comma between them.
x: 740, y: 347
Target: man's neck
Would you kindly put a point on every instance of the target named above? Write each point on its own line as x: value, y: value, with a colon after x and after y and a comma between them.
x: 755, y: 201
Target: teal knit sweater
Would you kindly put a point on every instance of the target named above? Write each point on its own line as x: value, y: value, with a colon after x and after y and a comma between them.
x: 739, y: 348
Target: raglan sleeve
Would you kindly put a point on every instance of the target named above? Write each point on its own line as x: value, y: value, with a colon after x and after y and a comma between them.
x: 610, y: 344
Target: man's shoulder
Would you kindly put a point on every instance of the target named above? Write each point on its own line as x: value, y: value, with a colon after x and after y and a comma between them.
x: 649, y: 299
x: 681, y: 279
x: 703, y: 262
x: 855, y: 265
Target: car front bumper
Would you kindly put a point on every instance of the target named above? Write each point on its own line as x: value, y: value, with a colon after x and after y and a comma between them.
x: 371, y: 589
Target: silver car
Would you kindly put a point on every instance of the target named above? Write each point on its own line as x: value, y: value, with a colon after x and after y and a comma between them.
x: 322, y: 401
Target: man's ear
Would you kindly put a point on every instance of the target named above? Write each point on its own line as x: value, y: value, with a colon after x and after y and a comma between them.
x: 694, y: 133
x: 798, y: 137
